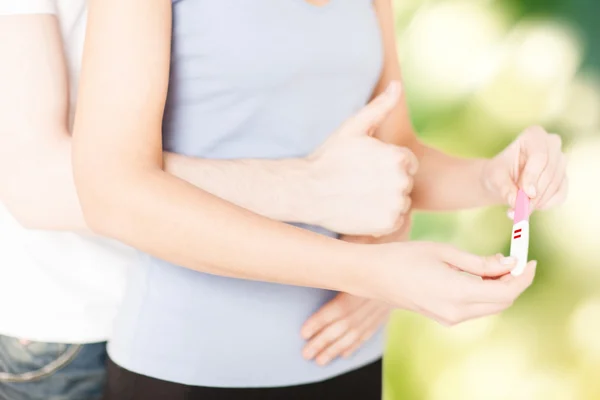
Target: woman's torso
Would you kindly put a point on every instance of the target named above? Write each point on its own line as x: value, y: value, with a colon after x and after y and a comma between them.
x: 249, y: 79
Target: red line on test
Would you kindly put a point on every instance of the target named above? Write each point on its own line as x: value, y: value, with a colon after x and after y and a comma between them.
x: 516, y: 237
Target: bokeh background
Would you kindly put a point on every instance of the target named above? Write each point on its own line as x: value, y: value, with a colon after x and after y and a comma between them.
x: 477, y: 73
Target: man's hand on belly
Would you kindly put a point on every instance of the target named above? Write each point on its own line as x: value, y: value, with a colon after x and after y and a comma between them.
x: 342, y: 325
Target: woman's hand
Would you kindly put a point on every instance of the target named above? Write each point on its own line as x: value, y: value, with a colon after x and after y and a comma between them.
x: 341, y: 326
x: 534, y: 163
x: 440, y: 281
x: 360, y: 185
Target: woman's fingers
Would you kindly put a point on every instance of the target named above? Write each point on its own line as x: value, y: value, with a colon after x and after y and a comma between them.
x: 480, y: 297
x: 552, y: 176
x: 559, y: 197
x: 503, y: 290
x: 535, y: 152
x: 474, y: 264
x: 553, y: 190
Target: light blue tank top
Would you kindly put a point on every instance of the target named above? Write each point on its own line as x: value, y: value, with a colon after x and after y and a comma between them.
x: 249, y: 79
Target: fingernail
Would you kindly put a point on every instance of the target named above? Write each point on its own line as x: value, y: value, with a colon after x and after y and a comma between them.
x: 508, y: 261
x: 531, y: 192
x: 511, y: 214
x: 392, y: 89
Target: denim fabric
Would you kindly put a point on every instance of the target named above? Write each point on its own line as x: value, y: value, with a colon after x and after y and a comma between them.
x: 51, y: 371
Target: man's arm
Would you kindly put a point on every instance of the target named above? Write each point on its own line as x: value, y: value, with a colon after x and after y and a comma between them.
x: 443, y: 182
x: 125, y: 193
x: 36, y: 183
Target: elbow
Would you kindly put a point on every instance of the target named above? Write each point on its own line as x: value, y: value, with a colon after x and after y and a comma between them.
x: 97, y: 219
x: 107, y: 197
x: 23, y: 205
x: 96, y: 201
x: 96, y: 195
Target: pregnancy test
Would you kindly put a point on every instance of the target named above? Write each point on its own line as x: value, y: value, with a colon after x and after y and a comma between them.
x: 519, y: 244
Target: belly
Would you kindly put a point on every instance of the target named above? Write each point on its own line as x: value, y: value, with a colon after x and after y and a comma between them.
x: 199, y: 329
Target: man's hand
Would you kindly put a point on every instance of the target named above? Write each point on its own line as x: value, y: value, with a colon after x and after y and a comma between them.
x: 361, y: 185
x: 341, y: 326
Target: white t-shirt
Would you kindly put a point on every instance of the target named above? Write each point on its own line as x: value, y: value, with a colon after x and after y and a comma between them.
x: 55, y: 286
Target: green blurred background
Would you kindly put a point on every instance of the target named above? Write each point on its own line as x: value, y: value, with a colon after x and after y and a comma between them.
x: 478, y: 72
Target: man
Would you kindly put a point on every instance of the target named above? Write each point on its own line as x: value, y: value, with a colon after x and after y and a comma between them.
x: 61, y: 289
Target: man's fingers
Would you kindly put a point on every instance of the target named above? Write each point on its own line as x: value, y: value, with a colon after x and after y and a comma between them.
x: 368, y: 328
x: 349, y: 338
x: 334, y: 310
x: 409, y: 161
x: 325, y: 338
x: 357, y: 323
x: 376, y: 111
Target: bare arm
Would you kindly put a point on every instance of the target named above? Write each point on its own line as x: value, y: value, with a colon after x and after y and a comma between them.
x: 127, y: 195
x: 36, y: 182
x: 443, y: 182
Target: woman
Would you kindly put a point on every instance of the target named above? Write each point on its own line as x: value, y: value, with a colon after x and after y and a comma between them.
x: 68, y: 282
x: 266, y: 80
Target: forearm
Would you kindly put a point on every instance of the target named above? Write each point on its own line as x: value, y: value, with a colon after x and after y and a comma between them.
x: 172, y: 220
x: 40, y: 192
x: 126, y: 194
x: 443, y: 182
x: 447, y: 183
x: 278, y: 189
x: 38, y: 189
x: 36, y: 183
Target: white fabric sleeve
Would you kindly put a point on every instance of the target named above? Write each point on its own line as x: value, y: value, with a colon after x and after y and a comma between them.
x: 19, y: 7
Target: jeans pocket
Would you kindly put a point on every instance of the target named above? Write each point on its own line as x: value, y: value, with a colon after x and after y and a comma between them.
x: 22, y: 361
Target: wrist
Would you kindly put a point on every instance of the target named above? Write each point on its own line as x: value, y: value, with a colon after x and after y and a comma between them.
x: 309, y: 200
x: 359, y: 274
x: 489, y: 194
x: 293, y: 201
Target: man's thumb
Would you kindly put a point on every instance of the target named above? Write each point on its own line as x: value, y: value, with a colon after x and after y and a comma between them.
x: 375, y: 112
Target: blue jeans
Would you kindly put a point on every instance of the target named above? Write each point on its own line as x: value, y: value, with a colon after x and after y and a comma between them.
x: 51, y: 371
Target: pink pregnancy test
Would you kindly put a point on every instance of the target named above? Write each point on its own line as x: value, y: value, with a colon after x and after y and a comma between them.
x: 519, y: 244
